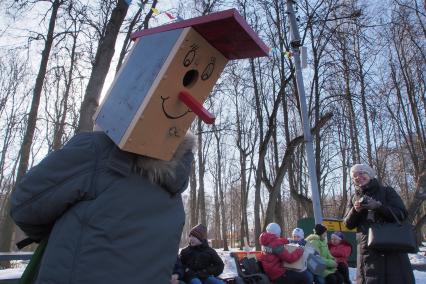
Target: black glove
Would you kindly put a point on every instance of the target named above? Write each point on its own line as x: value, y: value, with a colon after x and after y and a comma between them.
x: 372, y: 204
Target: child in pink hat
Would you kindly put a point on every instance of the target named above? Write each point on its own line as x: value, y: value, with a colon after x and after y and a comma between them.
x: 341, y: 250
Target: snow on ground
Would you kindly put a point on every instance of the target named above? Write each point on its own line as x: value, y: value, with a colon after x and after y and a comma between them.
x: 417, y: 260
x: 420, y: 276
x: 12, y: 273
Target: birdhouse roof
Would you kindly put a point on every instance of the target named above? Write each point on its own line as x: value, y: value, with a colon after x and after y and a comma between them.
x: 227, y: 31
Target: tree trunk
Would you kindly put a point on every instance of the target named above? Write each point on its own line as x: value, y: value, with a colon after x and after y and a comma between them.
x: 285, y: 162
x: 420, y: 193
x: 193, y: 216
x: 361, y: 76
x: 131, y: 27
x: 353, y: 130
x: 219, y: 186
x: 201, y: 204
x: 101, y: 66
x: 7, y: 227
x: 60, y: 128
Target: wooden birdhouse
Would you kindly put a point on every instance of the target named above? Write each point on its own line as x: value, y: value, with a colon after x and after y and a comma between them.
x: 167, y: 76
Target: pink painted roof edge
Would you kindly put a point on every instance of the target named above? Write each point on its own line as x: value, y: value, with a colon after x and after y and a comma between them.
x: 205, y: 19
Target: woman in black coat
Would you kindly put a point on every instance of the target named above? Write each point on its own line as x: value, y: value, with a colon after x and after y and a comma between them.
x: 202, y: 263
x: 371, y: 203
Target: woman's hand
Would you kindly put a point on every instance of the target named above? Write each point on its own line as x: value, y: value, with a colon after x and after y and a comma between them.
x: 372, y: 204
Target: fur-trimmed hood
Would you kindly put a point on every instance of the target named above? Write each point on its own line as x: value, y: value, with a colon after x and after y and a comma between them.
x: 159, y: 171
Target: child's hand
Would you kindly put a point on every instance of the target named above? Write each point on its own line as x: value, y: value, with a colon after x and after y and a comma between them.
x: 174, y: 279
x: 175, y: 276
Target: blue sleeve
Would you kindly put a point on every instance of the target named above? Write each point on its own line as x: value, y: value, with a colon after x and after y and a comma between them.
x: 178, y: 268
x: 60, y: 180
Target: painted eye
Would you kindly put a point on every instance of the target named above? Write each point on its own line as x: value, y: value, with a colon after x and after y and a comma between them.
x: 208, y: 71
x: 190, y: 56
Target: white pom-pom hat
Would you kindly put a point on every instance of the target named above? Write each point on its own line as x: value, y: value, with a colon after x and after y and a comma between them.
x: 274, y: 228
x: 362, y: 168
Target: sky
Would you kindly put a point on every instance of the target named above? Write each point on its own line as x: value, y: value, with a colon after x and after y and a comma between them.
x: 14, y: 30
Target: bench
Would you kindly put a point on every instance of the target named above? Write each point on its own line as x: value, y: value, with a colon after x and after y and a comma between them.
x: 12, y: 276
x: 249, y: 268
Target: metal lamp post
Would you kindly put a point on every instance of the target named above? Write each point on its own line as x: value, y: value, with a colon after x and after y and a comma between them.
x: 295, y: 49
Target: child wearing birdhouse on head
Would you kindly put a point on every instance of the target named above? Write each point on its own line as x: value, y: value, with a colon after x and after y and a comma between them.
x: 341, y: 250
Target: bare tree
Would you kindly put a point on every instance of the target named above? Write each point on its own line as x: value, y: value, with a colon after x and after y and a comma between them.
x: 131, y: 28
x: 219, y: 182
x: 32, y: 117
x: 101, y: 65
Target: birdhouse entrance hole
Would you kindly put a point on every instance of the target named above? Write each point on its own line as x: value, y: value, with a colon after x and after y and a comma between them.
x: 190, y: 78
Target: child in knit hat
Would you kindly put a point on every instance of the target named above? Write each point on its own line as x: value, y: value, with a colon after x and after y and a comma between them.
x: 202, y: 263
x: 298, y: 237
x: 274, y: 254
x: 341, y: 250
x: 319, y: 241
x: 198, y: 234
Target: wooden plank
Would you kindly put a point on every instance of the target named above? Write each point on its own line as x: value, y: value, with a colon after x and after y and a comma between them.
x: 227, y: 31
x: 133, y: 82
x: 10, y: 280
x: 163, y: 120
x: 333, y: 224
x: 6, y: 256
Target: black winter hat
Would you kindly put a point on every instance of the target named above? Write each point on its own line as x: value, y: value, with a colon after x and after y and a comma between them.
x: 320, y: 229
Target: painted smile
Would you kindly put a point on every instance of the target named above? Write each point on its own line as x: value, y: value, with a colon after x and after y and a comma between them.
x: 163, y: 106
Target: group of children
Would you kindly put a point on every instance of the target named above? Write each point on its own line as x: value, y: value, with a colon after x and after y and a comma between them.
x: 198, y: 263
x: 333, y: 254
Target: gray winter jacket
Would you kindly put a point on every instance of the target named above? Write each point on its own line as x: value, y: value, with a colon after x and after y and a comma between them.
x: 111, y: 216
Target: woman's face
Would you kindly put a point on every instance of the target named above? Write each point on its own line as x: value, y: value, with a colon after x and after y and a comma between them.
x: 361, y: 178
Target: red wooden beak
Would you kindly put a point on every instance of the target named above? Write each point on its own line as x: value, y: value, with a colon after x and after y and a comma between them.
x: 196, y: 107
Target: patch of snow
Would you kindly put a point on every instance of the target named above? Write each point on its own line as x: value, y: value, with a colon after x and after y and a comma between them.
x: 418, y: 258
x: 230, y: 268
x: 11, y: 273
